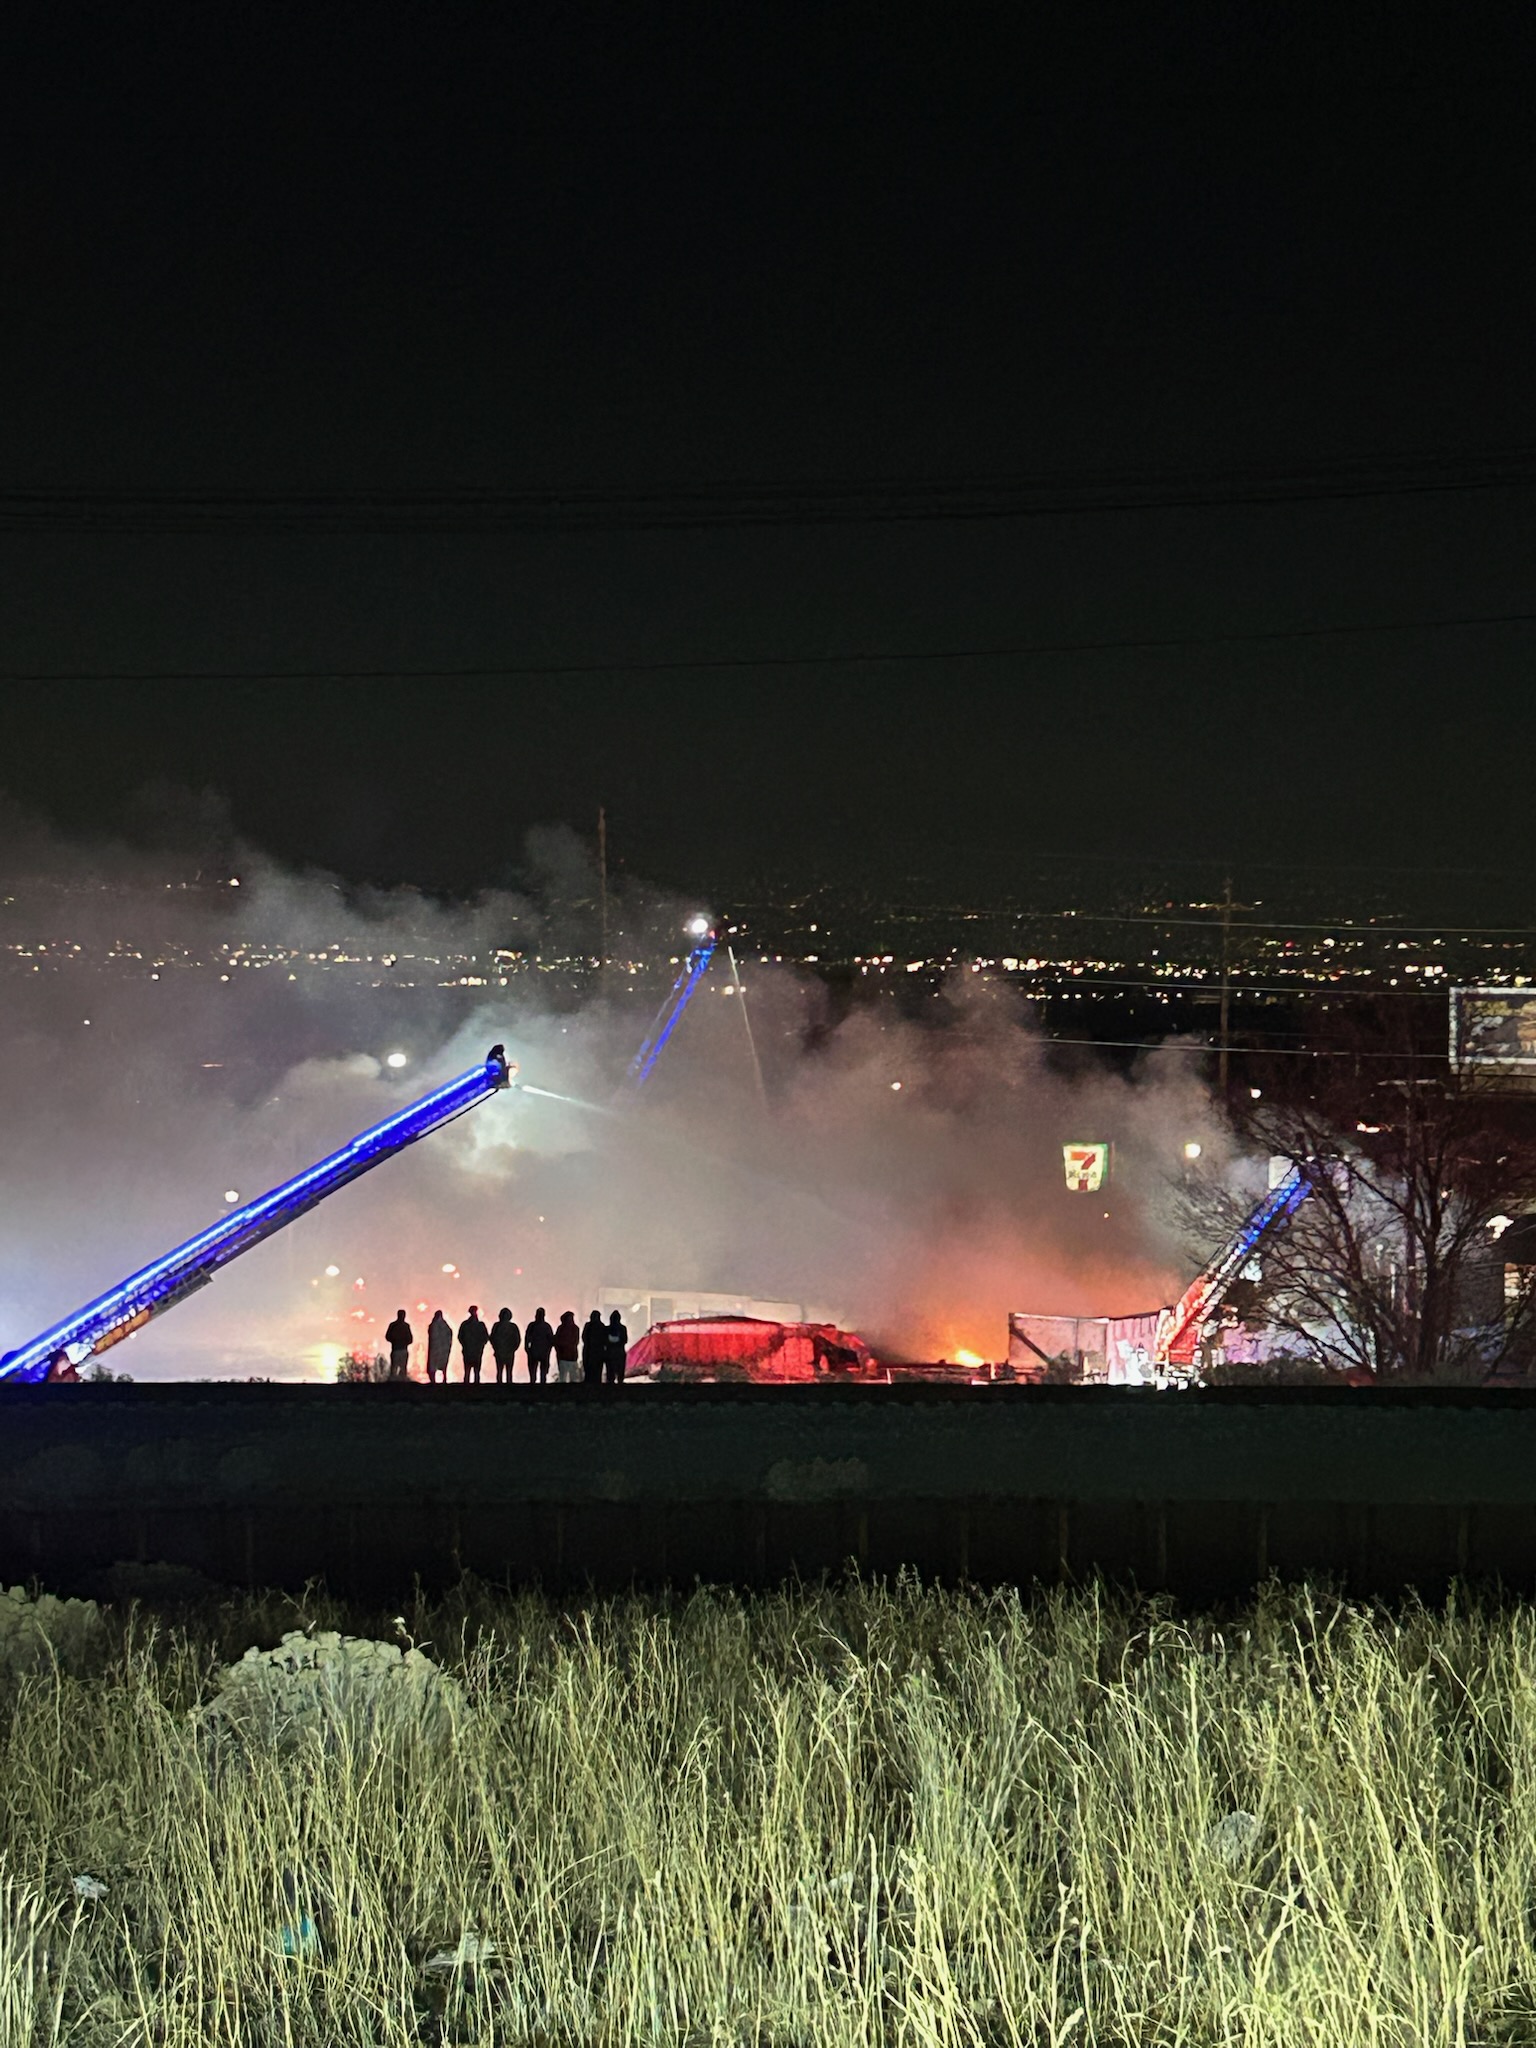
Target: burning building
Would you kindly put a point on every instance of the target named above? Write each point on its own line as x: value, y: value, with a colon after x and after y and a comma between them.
x: 754, y: 1348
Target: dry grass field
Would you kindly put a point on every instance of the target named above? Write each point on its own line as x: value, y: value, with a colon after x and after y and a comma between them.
x: 839, y: 1814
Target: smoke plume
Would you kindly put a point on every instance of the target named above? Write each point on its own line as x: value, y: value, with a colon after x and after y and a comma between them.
x: 194, y: 1022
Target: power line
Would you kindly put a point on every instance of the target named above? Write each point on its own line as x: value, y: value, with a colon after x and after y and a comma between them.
x: 1294, y: 1052
x: 746, y: 504
x: 1241, y: 985
x: 1020, y: 650
x: 1260, y: 924
x: 1182, y: 863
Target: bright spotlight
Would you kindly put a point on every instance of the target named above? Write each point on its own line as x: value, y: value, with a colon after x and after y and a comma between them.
x: 450, y: 1268
x: 396, y: 1059
x: 698, y: 926
x: 1191, y: 1150
x: 331, y: 1272
x: 231, y: 1194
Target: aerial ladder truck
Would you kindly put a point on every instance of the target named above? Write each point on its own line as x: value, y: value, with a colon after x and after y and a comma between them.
x: 1182, y: 1327
x: 695, y: 967
x: 57, y: 1352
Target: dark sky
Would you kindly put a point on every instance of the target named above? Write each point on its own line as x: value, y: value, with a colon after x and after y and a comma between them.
x: 1230, y: 308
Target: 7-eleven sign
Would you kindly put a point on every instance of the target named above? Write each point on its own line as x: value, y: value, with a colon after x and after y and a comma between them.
x: 1086, y: 1167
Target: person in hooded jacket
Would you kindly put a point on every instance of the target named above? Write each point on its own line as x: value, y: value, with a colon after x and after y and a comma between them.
x: 615, y: 1351
x: 567, y: 1345
x: 592, y: 1337
x: 473, y: 1338
x: 439, y: 1345
x: 539, y: 1343
x: 505, y: 1338
x: 399, y: 1337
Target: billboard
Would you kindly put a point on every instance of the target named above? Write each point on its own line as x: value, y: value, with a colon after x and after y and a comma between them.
x: 1493, y: 1027
x: 1086, y: 1167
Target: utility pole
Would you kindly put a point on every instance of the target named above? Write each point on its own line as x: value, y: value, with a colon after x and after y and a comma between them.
x: 1414, y: 1347
x: 1226, y: 985
x: 602, y: 885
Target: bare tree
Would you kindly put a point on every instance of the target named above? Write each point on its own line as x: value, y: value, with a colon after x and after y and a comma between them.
x: 1392, y: 1263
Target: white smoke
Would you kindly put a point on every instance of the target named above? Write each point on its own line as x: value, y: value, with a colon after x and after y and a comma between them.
x: 920, y: 1213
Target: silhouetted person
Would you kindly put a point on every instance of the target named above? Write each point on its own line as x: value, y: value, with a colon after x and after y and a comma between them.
x: 567, y: 1345
x: 539, y: 1343
x: 399, y: 1337
x: 592, y: 1339
x: 615, y: 1351
x: 505, y: 1338
x: 439, y: 1345
x: 473, y: 1338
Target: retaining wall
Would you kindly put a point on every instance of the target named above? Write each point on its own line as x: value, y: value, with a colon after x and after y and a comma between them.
x: 1202, y: 1491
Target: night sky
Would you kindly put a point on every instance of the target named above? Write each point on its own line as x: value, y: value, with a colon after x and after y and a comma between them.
x: 392, y: 393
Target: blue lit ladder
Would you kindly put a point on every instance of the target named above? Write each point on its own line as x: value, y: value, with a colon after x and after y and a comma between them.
x: 113, y: 1316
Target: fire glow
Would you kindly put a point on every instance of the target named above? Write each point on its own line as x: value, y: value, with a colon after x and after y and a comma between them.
x: 799, y: 1185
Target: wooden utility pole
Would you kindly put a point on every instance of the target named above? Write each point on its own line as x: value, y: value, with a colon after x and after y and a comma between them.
x: 1226, y: 985
x: 602, y: 885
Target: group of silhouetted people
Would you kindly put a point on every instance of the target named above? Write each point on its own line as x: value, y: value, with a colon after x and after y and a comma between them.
x: 595, y: 1353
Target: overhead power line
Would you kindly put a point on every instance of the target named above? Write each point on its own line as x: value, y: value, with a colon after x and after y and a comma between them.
x: 1293, y: 1052
x: 747, y: 504
x: 1263, y: 924
x: 1018, y: 650
x: 1241, y: 985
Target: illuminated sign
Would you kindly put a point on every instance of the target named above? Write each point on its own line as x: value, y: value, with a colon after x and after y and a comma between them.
x: 1086, y: 1167
x: 1493, y: 1027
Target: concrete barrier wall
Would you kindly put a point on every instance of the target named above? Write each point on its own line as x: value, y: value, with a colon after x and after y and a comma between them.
x: 1202, y: 1491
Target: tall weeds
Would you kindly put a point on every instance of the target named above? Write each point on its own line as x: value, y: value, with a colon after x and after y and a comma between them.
x: 842, y: 1814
